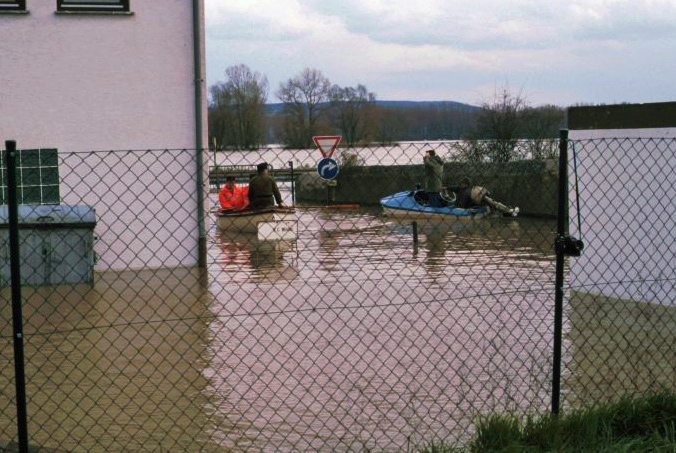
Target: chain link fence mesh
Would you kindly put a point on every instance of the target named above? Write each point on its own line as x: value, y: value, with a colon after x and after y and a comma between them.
x: 622, y: 311
x: 343, y: 335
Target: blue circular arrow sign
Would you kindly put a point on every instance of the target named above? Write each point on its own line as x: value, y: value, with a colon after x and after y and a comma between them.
x: 327, y: 168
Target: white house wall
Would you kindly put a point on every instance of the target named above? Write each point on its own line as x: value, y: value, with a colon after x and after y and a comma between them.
x: 145, y: 206
x: 109, y: 82
x: 90, y: 82
x: 622, y: 241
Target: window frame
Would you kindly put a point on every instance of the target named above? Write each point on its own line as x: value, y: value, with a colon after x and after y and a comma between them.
x: 12, y: 5
x: 93, y: 6
x: 38, y: 178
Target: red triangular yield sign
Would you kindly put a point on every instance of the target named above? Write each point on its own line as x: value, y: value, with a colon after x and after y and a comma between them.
x: 327, y: 143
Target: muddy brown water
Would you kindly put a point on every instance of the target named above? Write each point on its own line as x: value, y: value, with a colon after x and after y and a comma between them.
x: 353, y: 339
x: 347, y: 339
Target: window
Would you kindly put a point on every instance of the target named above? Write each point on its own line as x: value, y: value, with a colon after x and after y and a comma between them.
x: 93, y: 5
x: 37, y: 177
x: 12, y: 5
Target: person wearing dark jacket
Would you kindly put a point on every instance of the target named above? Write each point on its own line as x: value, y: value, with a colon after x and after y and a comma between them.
x: 464, y: 198
x: 463, y: 193
x: 434, y: 171
x: 263, y: 190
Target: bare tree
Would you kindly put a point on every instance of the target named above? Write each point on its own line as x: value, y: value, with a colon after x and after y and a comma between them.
x: 305, y: 100
x: 500, y: 121
x: 508, y: 119
x: 352, y: 112
x: 236, y: 111
x: 390, y: 125
x: 541, y: 127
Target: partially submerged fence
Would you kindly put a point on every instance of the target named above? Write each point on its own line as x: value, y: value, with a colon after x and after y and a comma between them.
x: 621, y: 312
x: 343, y: 333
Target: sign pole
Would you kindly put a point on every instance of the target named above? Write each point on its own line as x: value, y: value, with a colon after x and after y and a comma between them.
x: 293, y: 189
x: 327, y: 167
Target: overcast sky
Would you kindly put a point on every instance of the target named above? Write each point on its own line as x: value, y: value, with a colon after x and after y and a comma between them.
x: 552, y: 51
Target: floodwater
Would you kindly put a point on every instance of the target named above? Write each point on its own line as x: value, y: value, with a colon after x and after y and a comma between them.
x: 279, y: 157
x: 409, y: 152
x: 352, y: 339
x: 348, y: 339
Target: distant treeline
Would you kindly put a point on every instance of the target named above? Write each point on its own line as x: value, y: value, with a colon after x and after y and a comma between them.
x: 393, y: 121
x: 241, y: 118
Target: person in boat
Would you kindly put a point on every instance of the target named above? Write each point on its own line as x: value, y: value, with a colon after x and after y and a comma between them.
x: 434, y: 171
x: 263, y: 190
x: 233, y: 197
x: 467, y: 197
x: 463, y: 193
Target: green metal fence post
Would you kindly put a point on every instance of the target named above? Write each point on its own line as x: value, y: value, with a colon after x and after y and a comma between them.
x: 17, y: 316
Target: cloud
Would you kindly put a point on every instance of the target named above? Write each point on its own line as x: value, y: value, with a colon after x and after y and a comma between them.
x: 622, y: 20
x: 456, y: 49
x: 462, y: 24
x: 260, y: 21
x: 490, y: 24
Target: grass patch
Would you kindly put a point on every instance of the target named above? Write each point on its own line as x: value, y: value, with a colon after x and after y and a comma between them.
x: 646, y: 424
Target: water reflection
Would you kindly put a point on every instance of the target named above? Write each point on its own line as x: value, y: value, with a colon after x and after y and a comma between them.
x: 116, y: 366
x: 243, y: 257
x: 466, y: 249
x: 436, y: 243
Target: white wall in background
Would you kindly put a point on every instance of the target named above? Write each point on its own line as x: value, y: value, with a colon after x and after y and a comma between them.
x: 628, y: 212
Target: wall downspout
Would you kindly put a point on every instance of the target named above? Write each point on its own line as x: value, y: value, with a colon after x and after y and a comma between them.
x: 199, y: 130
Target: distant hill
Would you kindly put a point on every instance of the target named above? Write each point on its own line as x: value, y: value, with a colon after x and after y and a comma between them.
x: 277, y: 108
x: 440, y: 105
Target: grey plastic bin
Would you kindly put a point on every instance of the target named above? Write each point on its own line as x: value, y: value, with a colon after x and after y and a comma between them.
x: 56, y: 244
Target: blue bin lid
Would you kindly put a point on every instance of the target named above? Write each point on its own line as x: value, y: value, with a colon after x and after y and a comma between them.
x: 78, y: 216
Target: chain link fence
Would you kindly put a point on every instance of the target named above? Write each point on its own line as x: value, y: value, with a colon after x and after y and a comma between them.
x: 326, y: 325
x: 621, y: 317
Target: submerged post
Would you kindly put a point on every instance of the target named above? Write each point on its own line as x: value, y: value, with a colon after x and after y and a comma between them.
x: 415, y: 232
x: 293, y: 188
x: 560, y: 254
x: 17, y: 316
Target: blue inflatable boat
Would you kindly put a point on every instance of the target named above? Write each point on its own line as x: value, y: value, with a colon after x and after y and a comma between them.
x: 413, y: 205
